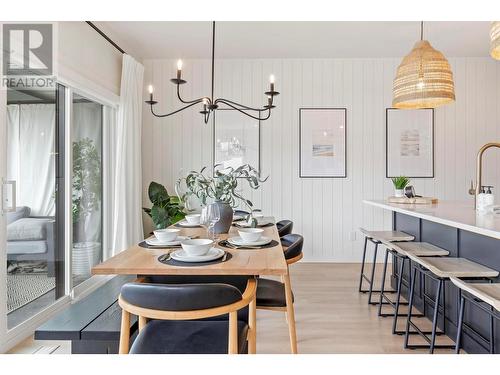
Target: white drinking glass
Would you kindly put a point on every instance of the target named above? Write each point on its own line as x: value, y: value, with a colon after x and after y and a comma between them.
x: 213, y: 216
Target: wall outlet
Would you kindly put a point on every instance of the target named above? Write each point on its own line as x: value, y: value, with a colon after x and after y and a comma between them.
x: 352, y: 236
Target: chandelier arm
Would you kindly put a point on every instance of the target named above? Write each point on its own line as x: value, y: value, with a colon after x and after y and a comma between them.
x: 174, y: 112
x: 206, y: 117
x: 240, y: 106
x: 190, y: 101
x: 248, y: 114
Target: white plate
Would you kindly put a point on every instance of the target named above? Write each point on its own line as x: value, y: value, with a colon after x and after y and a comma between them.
x: 153, y: 241
x: 260, y: 223
x: 185, y: 224
x: 181, y: 256
x: 238, y: 241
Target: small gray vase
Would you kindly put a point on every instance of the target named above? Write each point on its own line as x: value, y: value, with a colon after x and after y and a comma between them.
x: 226, y: 217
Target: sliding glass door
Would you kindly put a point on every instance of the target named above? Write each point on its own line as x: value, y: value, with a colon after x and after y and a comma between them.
x: 32, y: 209
x: 54, y: 201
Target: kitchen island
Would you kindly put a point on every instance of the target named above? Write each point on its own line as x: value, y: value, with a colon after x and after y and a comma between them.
x: 458, y: 228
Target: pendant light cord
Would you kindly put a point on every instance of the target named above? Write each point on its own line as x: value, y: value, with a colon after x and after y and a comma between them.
x: 213, y: 59
x: 421, y: 30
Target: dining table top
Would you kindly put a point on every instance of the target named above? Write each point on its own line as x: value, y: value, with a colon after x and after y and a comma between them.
x: 138, y: 260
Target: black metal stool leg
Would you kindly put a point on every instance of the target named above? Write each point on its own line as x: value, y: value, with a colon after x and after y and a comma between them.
x: 413, y: 272
x: 460, y: 324
x: 398, y: 296
x: 362, y: 266
x: 370, y: 302
x: 492, y: 332
x: 435, y: 316
x: 382, y: 285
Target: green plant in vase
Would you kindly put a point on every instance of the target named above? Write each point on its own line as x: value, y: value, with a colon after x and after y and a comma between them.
x: 399, y: 185
x: 86, y: 185
x: 222, y: 187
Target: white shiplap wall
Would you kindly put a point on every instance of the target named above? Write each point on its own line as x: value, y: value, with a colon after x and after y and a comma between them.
x: 326, y: 211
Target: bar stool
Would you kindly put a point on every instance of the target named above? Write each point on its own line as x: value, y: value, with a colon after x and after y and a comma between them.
x: 400, y: 251
x: 440, y: 269
x: 376, y: 237
x: 481, y: 296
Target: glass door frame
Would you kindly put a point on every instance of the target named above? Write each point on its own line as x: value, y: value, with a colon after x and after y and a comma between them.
x: 10, y: 338
x: 93, y: 282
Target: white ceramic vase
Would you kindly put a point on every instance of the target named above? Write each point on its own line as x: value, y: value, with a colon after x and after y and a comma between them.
x: 399, y: 193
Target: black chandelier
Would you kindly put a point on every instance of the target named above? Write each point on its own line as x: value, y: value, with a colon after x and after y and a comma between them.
x: 210, y: 104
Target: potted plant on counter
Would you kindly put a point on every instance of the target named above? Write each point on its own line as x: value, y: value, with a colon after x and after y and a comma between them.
x: 166, y: 209
x: 222, y: 189
x: 399, y: 185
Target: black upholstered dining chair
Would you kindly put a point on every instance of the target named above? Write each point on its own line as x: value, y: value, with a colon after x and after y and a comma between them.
x: 175, y: 310
x: 277, y: 295
x: 241, y: 213
x: 284, y: 227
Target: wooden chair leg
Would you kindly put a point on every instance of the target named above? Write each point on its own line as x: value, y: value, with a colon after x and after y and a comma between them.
x: 142, y: 323
x: 124, y: 333
x: 290, y: 314
x: 233, y: 333
x: 252, y: 321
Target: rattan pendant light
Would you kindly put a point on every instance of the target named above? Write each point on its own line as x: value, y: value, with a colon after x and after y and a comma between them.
x: 495, y: 40
x: 423, y: 79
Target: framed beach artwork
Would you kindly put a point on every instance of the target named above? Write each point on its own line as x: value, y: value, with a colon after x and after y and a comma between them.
x: 410, y: 143
x: 322, y: 142
x: 236, y: 139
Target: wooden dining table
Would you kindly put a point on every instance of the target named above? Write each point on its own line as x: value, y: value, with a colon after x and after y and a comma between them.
x: 137, y: 260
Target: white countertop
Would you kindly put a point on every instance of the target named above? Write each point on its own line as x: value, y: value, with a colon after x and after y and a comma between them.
x: 452, y: 213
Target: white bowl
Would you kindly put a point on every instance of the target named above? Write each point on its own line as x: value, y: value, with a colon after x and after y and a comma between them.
x: 250, y: 234
x: 193, y: 219
x: 197, y: 247
x: 166, y: 235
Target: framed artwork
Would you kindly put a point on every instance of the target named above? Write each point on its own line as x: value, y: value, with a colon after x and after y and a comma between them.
x: 410, y: 143
x: 236, y: 139
x: 322, y: 142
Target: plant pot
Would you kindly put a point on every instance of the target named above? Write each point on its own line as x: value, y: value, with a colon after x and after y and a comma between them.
x: 226, y: 217
x: 85, y: 256
x: 399, y: 193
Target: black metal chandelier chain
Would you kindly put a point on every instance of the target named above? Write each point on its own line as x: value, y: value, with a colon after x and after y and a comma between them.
x: 211, y: 104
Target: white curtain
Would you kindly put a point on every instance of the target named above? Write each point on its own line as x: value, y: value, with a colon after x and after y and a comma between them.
x: 127, y: 194
x: 31, y: 135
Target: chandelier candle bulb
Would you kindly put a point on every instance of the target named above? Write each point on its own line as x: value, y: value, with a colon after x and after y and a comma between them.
x: 271, y: 81
x: 150, y: 89
x: 179, y: 69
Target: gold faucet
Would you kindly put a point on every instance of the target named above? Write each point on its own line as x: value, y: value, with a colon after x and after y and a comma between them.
x: 479, y: 170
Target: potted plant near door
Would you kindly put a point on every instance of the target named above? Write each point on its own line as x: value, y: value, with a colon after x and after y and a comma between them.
x: 222, y: 189
x: 399, y: 185
x: 86, y: 201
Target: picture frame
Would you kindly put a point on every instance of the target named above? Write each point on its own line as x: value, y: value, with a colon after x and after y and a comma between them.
x: 236, y: 139
x: 409, y: 146
x: 323, y: 142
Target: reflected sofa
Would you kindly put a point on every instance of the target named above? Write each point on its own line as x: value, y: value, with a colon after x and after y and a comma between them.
x: 30, y: 238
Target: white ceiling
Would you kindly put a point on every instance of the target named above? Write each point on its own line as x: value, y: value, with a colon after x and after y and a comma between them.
x: 149, y: 40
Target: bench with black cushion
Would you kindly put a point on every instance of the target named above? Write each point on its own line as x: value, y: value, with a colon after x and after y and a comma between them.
x: 92, y: 324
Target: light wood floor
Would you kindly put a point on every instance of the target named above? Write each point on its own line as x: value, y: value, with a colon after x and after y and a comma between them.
x: 331, y: 316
